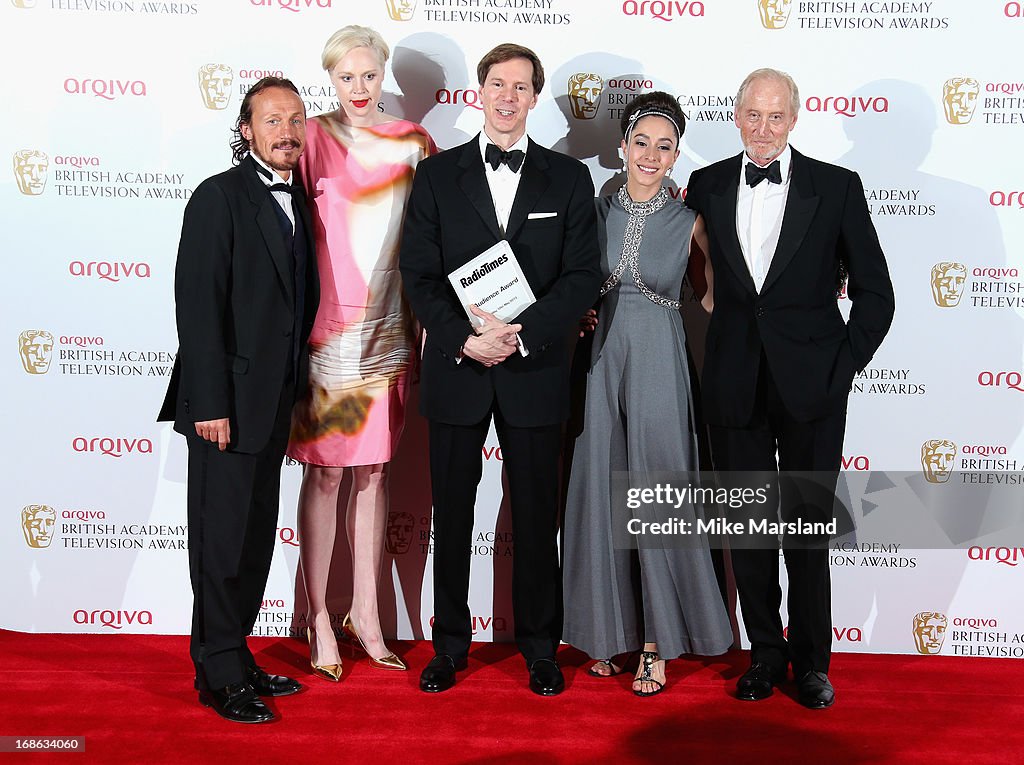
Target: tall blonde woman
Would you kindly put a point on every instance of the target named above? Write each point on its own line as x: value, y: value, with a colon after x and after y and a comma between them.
x: 357, y: 170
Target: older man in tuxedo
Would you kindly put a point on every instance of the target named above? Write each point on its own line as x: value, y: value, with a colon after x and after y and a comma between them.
x: 246, y: 291
x: 500, y: 185
x: 782, y: 231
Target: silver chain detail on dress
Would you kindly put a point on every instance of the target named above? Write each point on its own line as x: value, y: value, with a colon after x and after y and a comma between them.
x: 638, y: 212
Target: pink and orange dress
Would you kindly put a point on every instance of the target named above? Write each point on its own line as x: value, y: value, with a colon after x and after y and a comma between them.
x: 363, y: 343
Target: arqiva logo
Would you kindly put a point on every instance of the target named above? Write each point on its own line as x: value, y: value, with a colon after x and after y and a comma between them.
x: 106, y: 89
x: 291, y: 5
x: 465, y: 97
x: 631, y: 84
x: 76, y: 161
x: 985, y: 450
x: 82, y: 341
x: 1008, y: 556
x: 1012, y: 380
x: 667, y: 10
x: 856, y: 462
x: 1006, y: 199
x: 112, y: 447
x: 847, y: 106
x: 107, y: 271
x: 114, y: 620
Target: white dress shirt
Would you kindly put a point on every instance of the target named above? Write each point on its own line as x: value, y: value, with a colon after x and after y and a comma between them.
x: 502, y: 182
x: 284, y: 198
x: 759, y: 212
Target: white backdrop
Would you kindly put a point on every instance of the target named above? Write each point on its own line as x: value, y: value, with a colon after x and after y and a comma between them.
x: 108, y: 130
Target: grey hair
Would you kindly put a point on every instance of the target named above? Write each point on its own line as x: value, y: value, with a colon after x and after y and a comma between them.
x: 770, y: 74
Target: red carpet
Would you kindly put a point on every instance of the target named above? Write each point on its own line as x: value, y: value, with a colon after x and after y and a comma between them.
x: 131, y: 697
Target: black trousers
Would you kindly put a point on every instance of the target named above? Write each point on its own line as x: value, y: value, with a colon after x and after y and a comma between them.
x: 530, y: 457
x: 233, y: 502
x: 800, y: 447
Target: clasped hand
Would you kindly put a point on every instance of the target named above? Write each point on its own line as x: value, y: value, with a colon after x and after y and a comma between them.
x: 494, y: 340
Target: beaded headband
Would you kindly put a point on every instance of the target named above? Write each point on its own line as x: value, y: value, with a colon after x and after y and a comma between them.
x: 652, y: 112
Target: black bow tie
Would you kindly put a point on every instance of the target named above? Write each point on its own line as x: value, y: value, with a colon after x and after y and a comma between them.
x: 291, y: 188
x: 756, y: 174
x: 496, y: 157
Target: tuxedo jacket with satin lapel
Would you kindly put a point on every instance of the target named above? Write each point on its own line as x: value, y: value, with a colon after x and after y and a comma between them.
x: 813, y: 355
x: 235, y: 306
x: 449, y: 220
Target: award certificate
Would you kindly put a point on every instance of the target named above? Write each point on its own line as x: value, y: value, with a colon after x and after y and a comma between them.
x: 494, y: 282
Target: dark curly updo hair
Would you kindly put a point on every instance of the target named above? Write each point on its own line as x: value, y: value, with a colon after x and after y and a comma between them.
x: 657, y: 102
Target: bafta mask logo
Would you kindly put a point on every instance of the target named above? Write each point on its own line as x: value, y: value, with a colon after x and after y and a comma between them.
x: 37, y: 523
x: 585, y: 95
x: 959, y: 97
x: 30, y: 168
x: 401, y: 10
x: 35, y: 346
x: 24, y: 3
x: 399, y: 532
x: 937, y: 457
x: 929, y: 631
x: 948, y: 279
x: 774, y: 13
x: 215, y: 85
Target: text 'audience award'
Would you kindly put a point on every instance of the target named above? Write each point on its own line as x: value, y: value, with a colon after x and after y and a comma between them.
x: 494, y: 282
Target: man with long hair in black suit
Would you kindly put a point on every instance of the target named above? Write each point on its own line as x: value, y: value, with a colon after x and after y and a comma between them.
x: 246, y: 291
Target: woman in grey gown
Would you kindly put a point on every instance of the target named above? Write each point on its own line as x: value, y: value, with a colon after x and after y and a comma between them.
x: 638, y: 417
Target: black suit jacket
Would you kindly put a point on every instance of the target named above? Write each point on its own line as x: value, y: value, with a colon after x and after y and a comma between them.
x: 450, y: 219
x: 813, y: 355
x: 234, y: 299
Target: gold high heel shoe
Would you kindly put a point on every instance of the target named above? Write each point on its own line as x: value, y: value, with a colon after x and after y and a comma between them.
x: 385, y: 662
x: 330, y: 672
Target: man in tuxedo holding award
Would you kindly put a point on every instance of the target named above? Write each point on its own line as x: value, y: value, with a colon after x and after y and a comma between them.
x: 499, y: 186
x: 782, y: 231
x: 246, y: 291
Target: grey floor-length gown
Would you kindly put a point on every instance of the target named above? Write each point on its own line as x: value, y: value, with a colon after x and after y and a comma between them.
x: 638, y: 418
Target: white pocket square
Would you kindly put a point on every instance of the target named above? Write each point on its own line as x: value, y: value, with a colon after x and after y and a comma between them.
x: 535, y: 216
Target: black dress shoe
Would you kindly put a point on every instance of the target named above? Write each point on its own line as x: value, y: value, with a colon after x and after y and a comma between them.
x: 815, y: 690
x: 439, y: 674
x: 271, y: 685
x: 238, y: 703
x: 546, y: 678
x: 758, y: 681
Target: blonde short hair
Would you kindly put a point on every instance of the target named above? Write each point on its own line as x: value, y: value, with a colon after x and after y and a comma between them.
x: 347, y: 39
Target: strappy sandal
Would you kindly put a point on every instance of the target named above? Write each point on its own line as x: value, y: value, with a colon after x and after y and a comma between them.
x: 647, y: 659
x: 611, y: 667
x: 622, y: 668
